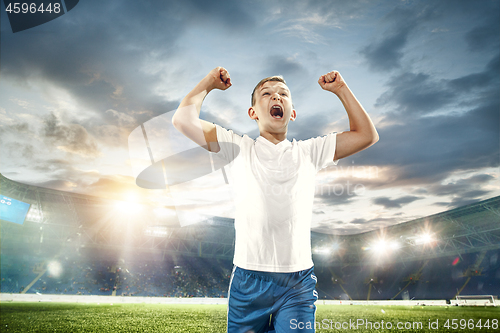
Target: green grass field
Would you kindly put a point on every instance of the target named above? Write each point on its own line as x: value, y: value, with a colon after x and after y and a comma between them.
x: 78, y: 317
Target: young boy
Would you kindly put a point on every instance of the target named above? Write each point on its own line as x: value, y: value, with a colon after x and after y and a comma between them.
x: 272, y: 286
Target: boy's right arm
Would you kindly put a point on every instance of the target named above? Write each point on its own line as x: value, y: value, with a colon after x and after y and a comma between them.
x: 187, y: 117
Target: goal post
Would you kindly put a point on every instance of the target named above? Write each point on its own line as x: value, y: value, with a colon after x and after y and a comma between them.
x: 481, y: 300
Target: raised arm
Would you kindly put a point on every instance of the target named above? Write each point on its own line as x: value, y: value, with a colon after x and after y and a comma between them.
x: 362, y: 132
x: 187, y: 117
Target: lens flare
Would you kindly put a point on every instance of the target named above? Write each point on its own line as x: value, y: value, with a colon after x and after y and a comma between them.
x: 54, y: 268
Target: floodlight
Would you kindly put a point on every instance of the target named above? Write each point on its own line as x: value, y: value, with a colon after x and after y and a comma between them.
x: 379, y: 246
x: 326, y: 249
x: 322, y: 250
x: 156, y: 231
x: 424, y: 239
x: 54, y: 268
x: 394, y: 245
x: 127, y: 207
x: 34, y: 215
x: 383, y: 246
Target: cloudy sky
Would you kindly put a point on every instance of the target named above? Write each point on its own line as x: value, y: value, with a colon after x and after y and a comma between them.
x: 74, y: 89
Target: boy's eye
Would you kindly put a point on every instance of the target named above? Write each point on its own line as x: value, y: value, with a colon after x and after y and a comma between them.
x: 264, y: 94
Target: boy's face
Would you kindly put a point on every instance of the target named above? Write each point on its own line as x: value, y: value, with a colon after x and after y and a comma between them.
x: 273, y: 107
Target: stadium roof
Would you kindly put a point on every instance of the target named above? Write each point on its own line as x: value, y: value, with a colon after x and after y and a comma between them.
x: 60, y: 218
x: 471, y: 228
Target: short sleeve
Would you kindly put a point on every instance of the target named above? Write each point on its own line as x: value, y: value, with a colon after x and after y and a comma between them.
x: 321, y: 150
x: 229, y: 143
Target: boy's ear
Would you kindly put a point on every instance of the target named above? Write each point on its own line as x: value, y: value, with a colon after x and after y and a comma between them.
x: 293, y: 115
x: 252, y: 114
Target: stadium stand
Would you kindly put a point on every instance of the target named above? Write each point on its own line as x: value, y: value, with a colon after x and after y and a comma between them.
x: 70, y: 244
x: 439, y: 279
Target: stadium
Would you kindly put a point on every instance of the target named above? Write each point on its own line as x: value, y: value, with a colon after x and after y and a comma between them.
x: 60, y: 249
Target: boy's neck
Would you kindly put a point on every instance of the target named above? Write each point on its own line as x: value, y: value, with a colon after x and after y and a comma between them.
x: 273, y: 137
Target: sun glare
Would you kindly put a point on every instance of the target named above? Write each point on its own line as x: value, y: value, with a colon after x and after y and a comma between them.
x: 54, y: 268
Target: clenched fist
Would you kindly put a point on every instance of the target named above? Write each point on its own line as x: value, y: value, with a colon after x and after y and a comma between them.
x: 219, y: 78
x: 332, y: 81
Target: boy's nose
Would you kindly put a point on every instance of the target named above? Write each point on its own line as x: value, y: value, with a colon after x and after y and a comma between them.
x: 276, y: 96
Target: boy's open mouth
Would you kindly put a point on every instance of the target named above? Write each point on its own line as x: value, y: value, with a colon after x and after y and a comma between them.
x: 276, y: 112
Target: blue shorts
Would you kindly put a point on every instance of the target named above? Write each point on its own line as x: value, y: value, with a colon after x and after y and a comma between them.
x: 271, y: 302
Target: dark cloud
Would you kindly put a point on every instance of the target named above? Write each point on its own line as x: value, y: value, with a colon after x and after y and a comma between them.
x: 461, y: 186
x: 307, y: 126
x: 355, y: 226
x: 467, y: 198
x: 281, y: 65
x: 231, y: 16
x: 14, y: 127
x: 381, y: 222
x: 395, y: 203
x: 17, y: 141
x: 479, y: 80
x: 420, y: 191
x: 407, y: 20
x: 328, y: 229
x: 330, y: 8
x: 484, y: 37
x: 331, y: 227
x: 98, y: 51
x: 416, y: 94
x: 20, y: 128
x: 339, y: 192
x: 15, y: 149
x: 478, y: 179
x: 12, y: 148
x: 359, y: 221
x: 420, y: 93
x: 71, y: 138
x: 427, y: 149
x: 463, y: 191
x: 385, y: 53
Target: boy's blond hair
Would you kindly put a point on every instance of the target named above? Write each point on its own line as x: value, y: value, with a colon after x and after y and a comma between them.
x: 277, y: 78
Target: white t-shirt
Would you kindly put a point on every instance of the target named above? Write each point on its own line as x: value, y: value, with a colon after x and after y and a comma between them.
x: 274, y: 193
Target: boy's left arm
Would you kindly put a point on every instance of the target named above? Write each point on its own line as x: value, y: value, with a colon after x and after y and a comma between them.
x: 362, y: 132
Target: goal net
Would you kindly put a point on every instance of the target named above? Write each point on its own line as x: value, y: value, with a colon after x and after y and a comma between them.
x: 484, y: 300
